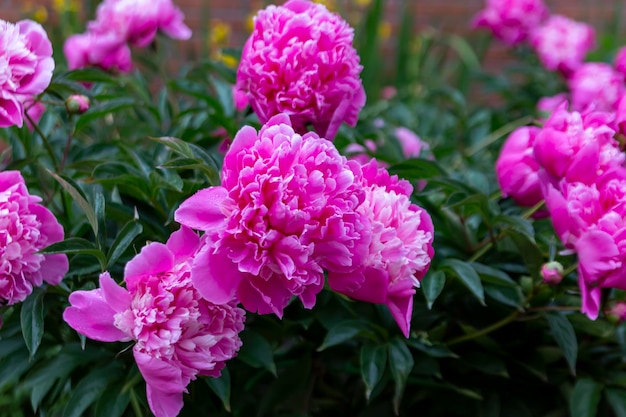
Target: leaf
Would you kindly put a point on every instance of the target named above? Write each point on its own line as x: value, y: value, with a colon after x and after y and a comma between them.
x: 100, y: 110
x: 417, y: 169
x: 113, y: 401
x: 89, y: 389
x: 584, y: 399
x: 221, y: 387
x: 432, y: 350
x: 224, y: 95
x: 129, y: 232
x: 256, y: 351
x: 511, y: 297
x: 400, y: 364
x: 80, y: 199
x: 532, y: 256
x: 564, y: 335
x: 342, y: 331
x: 77, y: 246
x: 493, y: 275
x: 31, y: 318
x: 468, y: 276
x: 373, y: 361
x: 432, y: 284
x: 486, y: 363
x: 617, y: 399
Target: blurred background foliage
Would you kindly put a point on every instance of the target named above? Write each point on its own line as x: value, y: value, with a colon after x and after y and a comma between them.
x: 488, y: 339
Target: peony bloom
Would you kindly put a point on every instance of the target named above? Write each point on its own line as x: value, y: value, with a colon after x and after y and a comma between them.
x: 595, y: 85
x: 77, y: 104
x: 552, y: 273
x: 400, y: 250
x: 562, y: 44
x: 516, y: 168
x: 547, y: 105
x: 299, y: 60
x: 578, y: 147
x: 25, y: 228
x: 620, y: 62
x: 617, y: 312
x: 106, y: 51
x: 178, y: 335
x: 511, y: 20
x: 26, y: 67
x: 285, y: 211
x: 137, y: 21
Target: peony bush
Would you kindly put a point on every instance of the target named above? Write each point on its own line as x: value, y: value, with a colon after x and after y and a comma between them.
x: 312, y: 231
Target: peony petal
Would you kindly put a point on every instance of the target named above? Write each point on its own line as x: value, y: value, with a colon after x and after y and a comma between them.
x: 158, y: 373
x: 154, y: 258
x: 183, y: 243
x: 203, y: 210
x: 215, y: 276
x: 114, y: 295
x: 164, y: 404
x: 54, y: 268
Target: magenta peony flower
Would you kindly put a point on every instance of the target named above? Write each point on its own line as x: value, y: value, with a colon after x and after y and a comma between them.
x: 562, y: 44
x: 137, y: 21
x: 299, y: 60
x: 178, y: 335
x: 26, y: 67
x: 516, y: 168
x: 511, y: 20
x: 576, y: 146
x: 547, y: 105
x: 620, y: 61
x: 77, y: 104
x: 552, y: 273
x: 285, y: 211
x: 25, y: 228
x: 596, y: 85
x: 106, y: 51
x: 400, y: 250
x: 617, y: 312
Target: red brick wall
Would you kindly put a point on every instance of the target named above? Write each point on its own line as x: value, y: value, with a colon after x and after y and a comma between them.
x: 449, y: 15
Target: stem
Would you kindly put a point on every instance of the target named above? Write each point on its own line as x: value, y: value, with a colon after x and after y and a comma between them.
x: 552, y: 308
x: 46, y: 143
x: 66, y: 151
x: 486, y: 330
x: 533, y: 209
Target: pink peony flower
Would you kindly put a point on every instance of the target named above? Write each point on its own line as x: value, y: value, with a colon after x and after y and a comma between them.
x: 595, y: 85
x: 552, y: 273
x: 25, y: 228
x: 178, y: 335
x: 299, y: 60
x: 26, y: 67
x: 77, y: 104
x: 620, y: 62
x: 562, y: 44
x: 240, y: 99
x: 285, y: 211
x: 411, y: 144
x: 620, y: 115
x: 547, y: 105
x: 400, y: 250
x: 511, y: 20
x: 617, y: 312
x: 137, y: 21
x: 578, y: 147
x: 516, y: 168
x: 106, y: 51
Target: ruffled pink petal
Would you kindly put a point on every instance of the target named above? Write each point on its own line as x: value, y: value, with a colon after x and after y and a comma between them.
x: 262, y: 297
x: 153, y: 259
x: 164, y: 404
x: 215, y: 276
x: 115, y: 296
x: 54, y: 268
x: 166, y: 377
x: 203, y: 210
x: 400, y: 304
x: 183, y: 243
x: 590, y: 297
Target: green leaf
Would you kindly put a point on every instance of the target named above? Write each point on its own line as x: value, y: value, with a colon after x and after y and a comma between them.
x: 432, y: 285
x: 487, y: 363
x: 617, y: 399
x: 511, y: 297
x: 373, y: 361
x: 129, y: 232
x: 77, y: 246
x: 342, y: 331
x: 89, y: 389
x: 113, y: 401
x: 256, y: 351
x: 400, y: 364
x: 493, y: 275
x: 224, y: 95
x: 431, y: 349
x: 417, y: 169
x: 100, y: 110
x: 221, y: 387
x: 584, y: 399
x: 564, y: 335
x: 31, y: 318
x: 532, y: 256
x: 80, y: 199
x: 468, y: 276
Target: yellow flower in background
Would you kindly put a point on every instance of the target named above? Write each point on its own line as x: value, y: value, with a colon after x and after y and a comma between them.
x: 219, y: 34
x: 250, y: 21
x: 384, y: 30
x: 62, y: 6
x: 228, y: 60
x: 38, y: 13
x: 362, y: 3
x: 330, y: 4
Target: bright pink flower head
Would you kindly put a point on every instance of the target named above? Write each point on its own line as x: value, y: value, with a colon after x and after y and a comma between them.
x: 578, y: 147
x: 285, y: 211
x: 620, y: 62
x: 26, y: 67
x: 618, y: 311
x: 516, y: 168
x: 138, y: 21
x: 106, y: 51
x: 620, y: 115
x: 299, y: 60
x: 400, y: 250
x: 25, y: 228
x: 411, y: 144
x: 595, y: 85
x: 178, y: 335
x: 552, y: 273
x: 547, y: 105
x: 562, y: 43
x: 77, y: 104
x: 511, y: 20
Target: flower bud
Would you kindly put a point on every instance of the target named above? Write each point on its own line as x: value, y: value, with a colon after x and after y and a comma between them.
x: 617, y: 313
x: 77, y: 104
x: 552, y: 273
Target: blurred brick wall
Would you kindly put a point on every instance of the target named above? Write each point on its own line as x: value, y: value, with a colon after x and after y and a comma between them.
x: 229, y: 19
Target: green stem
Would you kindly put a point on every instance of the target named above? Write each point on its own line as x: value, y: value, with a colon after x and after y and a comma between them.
x: 46, y: 143
x: 486, y: 330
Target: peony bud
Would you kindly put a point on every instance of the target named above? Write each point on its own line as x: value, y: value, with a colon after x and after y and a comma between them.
x: 617, y: 313
x: 552, y: 273
x: 77, y: 104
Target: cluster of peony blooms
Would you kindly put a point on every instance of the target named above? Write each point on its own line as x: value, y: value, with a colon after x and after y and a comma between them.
x: 26, y: 67
x: 299, y: 60
x: 119, y: 25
